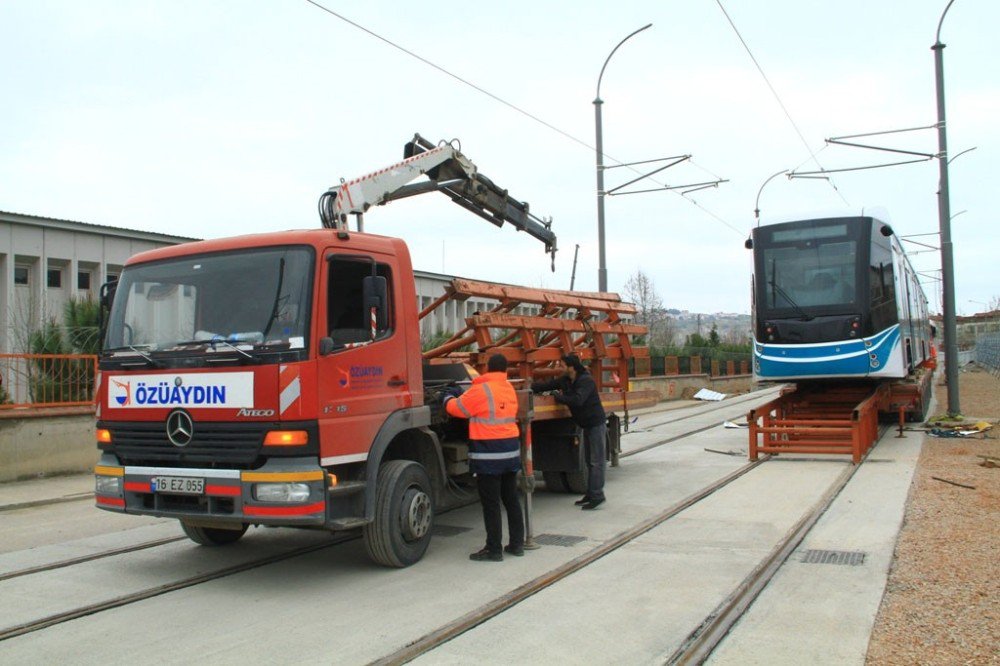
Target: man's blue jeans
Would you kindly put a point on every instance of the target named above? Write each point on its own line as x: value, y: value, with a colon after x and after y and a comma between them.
x: 595, y: 448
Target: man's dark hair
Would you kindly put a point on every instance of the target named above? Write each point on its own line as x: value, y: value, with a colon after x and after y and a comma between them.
x: 573, y: 361
x: 497, y: 363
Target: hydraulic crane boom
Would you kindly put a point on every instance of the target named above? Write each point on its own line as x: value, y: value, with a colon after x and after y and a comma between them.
x: 451, y: 173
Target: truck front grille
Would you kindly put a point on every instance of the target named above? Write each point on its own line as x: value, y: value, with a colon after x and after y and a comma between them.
x: 213, y: 445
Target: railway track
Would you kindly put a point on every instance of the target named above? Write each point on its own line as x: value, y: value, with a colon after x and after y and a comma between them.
x: 125, y: 600
x: 700, y: 643
x: 694, y: 649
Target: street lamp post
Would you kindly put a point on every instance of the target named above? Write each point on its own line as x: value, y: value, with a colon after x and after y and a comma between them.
x: 944, y: 219
x: 602, y: 270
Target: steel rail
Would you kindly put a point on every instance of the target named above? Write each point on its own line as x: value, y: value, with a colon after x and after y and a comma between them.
x: 743, y: 399
x: 76, y: 497
x: 674, y: 438
x: 88, y: 558
x: 700, y: 643
x: 490, y: 610
x: 124, y: 600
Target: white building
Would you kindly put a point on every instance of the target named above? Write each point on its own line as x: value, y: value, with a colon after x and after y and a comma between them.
x: 44, y: 262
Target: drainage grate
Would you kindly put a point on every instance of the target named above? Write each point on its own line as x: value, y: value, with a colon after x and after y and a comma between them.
x: 558, y: 539
x: 449, y: 530
x: 850, y: 558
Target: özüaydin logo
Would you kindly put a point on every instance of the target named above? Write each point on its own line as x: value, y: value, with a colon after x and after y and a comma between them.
x: 361, y: 376
x: 121, y: 393
x: 213, y: 390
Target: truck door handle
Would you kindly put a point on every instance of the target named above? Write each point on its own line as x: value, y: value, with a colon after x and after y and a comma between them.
x: 396, y: 381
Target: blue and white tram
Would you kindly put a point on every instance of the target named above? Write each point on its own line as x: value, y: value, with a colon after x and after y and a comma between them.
x: 836, y: 298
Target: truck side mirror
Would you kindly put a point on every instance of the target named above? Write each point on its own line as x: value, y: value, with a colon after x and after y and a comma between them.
x: 326, y: 346
x: 375, y: 294
x: 106, y: 297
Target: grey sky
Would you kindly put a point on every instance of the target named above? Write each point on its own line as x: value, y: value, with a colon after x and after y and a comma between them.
x: 219, y: 118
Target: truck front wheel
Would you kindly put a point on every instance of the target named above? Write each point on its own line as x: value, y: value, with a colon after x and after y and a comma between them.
x: 213, y: 536
x: 404, y: 515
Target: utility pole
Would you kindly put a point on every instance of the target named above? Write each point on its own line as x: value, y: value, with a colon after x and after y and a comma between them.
x: 944, y: 219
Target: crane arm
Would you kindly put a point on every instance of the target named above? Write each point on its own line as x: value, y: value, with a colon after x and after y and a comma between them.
x: 449, y: 172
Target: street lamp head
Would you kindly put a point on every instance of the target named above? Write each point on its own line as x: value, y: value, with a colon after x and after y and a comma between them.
x: 597, y: 97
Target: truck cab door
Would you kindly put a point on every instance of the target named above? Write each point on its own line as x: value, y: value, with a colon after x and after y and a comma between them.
x: 362, y: 363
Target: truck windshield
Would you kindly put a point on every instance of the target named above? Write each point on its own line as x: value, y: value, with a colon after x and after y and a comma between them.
x: 251, y: 299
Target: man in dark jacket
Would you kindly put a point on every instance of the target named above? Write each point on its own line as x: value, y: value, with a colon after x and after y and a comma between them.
x: 578, y: 391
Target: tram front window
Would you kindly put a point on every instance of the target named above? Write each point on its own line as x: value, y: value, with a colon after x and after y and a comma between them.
x: 810, y: 274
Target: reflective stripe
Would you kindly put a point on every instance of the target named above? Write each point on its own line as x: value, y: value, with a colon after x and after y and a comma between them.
x: 494, y: 456
x: 464, y: 410
x: 492, y: 418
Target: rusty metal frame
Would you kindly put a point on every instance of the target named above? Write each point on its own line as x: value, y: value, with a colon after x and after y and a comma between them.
x: 839, y: 419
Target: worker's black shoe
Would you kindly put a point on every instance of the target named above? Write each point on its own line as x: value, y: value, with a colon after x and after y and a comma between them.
x: 583, y: 500
x: 514, y: 550
x: 593, y: 504
x: 485, y: 555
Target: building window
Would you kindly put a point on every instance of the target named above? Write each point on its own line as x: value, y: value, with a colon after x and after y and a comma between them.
x: 55, y: 278
x: 83, y: 280
x: 21, y: 275
x: 112, y: 277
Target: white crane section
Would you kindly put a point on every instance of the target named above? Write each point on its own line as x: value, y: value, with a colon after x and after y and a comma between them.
x: 450, y: 172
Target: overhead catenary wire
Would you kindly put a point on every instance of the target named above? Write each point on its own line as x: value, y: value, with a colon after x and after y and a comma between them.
x: 777, y: 98
x: 510, y: 105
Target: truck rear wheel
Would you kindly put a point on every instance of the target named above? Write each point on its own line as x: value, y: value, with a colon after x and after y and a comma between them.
x: 404, y: 515
x: 576, y: 481
x: 213, y: 536
x: 554, y: 482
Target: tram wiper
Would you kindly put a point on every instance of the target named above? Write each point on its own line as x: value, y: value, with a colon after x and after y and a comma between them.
x: 784, y: 294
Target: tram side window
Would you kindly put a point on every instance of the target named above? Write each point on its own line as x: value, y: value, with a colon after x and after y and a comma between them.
x: 348, y: 321
x: 882, y: 287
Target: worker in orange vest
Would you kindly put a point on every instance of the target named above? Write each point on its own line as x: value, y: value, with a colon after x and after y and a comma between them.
x: 490, y: 404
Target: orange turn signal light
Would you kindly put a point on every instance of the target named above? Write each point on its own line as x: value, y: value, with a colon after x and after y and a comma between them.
x: 103, y: 436
x: 286, y: 438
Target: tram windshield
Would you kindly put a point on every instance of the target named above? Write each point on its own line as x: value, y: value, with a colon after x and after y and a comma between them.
x: 809, y: 267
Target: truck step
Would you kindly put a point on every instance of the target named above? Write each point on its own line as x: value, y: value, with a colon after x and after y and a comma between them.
x: 346, y: 488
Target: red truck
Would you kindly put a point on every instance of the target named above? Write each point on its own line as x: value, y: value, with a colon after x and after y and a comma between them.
x: 279, y: 379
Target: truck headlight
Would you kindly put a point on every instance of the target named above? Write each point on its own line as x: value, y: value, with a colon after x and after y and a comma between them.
x: 108, y: 485
x: 281, y: 492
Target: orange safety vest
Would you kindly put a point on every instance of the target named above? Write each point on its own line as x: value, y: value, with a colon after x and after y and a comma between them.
x: 490, y: 404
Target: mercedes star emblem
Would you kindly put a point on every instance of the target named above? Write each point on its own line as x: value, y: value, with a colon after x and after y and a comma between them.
x: 180, y: 428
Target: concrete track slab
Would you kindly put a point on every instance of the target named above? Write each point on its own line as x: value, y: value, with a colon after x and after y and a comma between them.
x: 824, y: 613
x: 653, y: 591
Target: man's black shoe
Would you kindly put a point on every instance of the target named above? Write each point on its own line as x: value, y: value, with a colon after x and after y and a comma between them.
x: 593, y: 504
x: 583, y: 500
x: 485, y: 555
x: 519, y: 551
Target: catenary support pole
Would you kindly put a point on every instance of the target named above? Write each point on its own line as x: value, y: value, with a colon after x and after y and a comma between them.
x: 944, y: 219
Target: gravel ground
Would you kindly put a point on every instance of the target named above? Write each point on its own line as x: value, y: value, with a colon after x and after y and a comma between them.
x: 942, y: 600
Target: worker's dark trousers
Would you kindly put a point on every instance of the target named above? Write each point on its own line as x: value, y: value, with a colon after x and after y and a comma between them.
x: 494, y: 489
x: 595, y: 447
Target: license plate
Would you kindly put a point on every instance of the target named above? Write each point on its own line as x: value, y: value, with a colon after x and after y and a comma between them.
x: 179, y: 485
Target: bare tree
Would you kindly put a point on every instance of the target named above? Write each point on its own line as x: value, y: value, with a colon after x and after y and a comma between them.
x: 640, y: 290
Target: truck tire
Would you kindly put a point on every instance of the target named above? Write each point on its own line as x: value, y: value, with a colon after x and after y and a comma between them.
x: 576, y: 481
x: 212, y: 536
x: 554, y: 482
x: 404, y: 515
